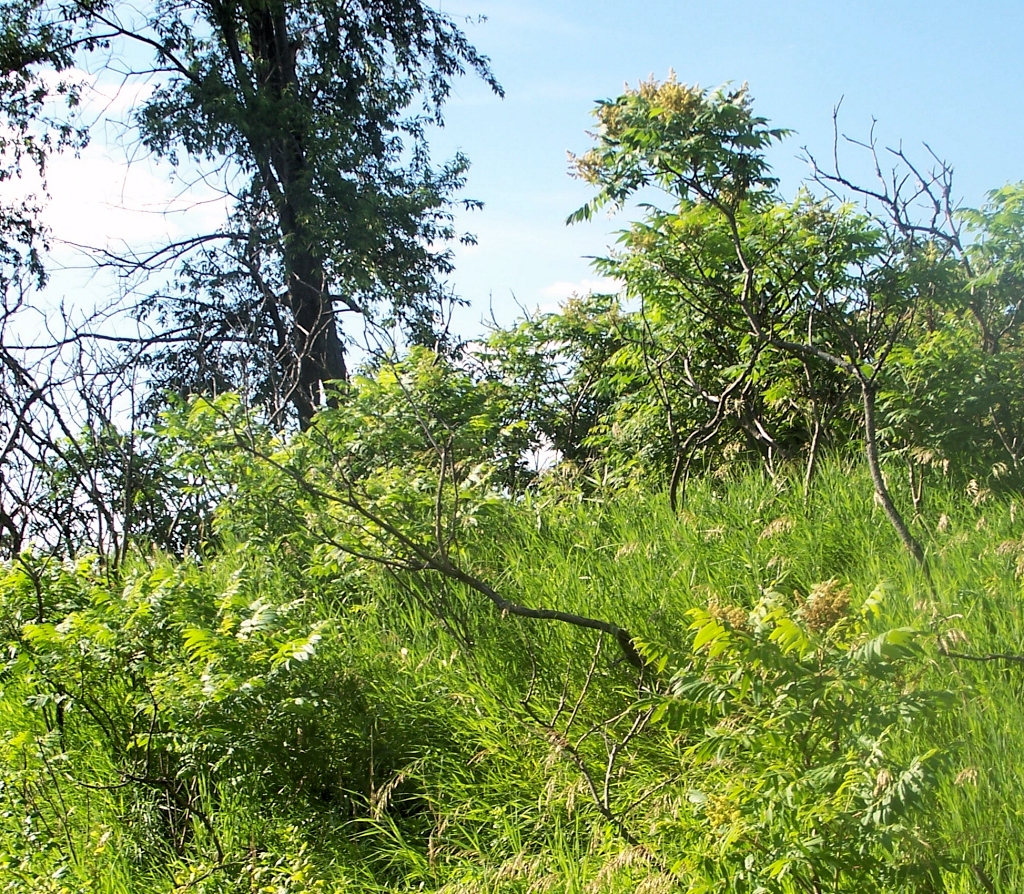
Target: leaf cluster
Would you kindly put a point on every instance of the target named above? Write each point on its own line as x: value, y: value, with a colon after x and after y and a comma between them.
x: 793, y: 725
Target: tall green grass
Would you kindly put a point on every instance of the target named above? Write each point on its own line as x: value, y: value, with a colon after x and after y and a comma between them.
x: 451, y: 749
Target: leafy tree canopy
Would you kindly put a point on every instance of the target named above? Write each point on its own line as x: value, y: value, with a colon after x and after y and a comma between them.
x: 313, y: 117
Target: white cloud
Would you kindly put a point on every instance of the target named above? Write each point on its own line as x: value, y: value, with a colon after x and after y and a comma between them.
x: 103, y: 95
x: 98, y: 198
x: 111, y: 99
x: 101, y: 201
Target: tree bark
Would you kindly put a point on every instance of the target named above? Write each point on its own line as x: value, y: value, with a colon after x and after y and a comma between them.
x: 316, y: 353
x: 881, y: 489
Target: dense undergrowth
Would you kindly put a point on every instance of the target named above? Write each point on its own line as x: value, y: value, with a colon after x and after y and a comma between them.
x: 271, y: 716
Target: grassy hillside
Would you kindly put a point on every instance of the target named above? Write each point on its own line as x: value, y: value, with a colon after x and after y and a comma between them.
x: 274, y: 719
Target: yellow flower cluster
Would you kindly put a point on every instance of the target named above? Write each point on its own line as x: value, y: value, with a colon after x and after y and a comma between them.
x: 721, y: 811
x: 671, y: 95
x: 733, y: 615
x: 587, y: 167
x: 826, y: 606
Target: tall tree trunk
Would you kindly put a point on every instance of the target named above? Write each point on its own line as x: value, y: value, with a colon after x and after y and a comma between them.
x: 316, y: 353
x: 319, y: 352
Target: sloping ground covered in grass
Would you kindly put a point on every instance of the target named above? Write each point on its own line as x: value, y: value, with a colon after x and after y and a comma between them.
x: 810, y: 715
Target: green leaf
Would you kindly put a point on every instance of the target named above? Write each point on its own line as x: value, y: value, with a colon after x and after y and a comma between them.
x: 708, y: 631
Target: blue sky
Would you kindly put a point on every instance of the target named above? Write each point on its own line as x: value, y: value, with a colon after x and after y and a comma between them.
x: 942, y: 72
